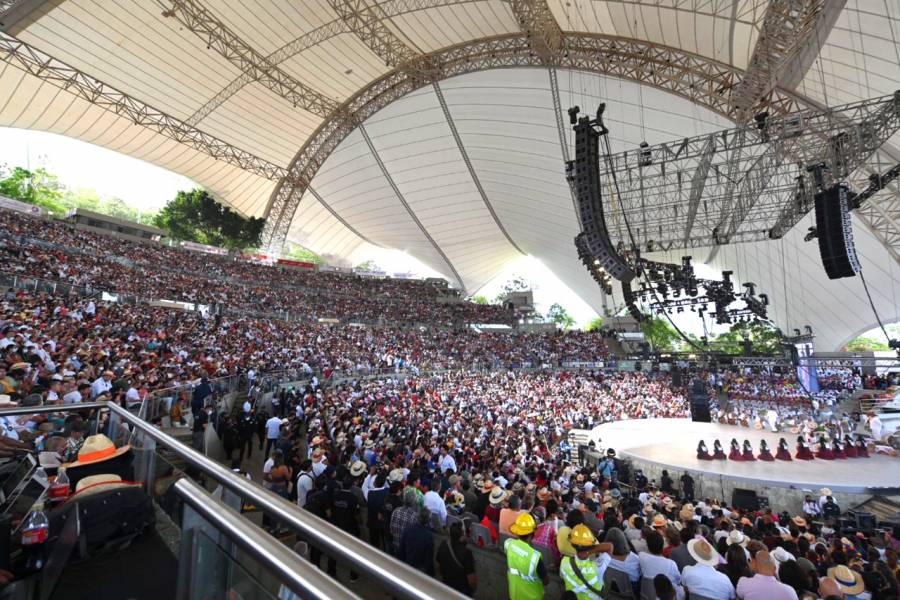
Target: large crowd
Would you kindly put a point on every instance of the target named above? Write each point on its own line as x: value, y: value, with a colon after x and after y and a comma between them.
x: 402, y: 431
x: 57, y: 252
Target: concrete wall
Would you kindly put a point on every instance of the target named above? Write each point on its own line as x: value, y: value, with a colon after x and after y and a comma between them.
x: 721, y: 487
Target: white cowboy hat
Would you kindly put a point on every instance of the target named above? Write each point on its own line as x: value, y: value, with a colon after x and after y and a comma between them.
x: 498, y: 495
x: 703, y: 552
x: 96, y: 484
x: 736, y: 537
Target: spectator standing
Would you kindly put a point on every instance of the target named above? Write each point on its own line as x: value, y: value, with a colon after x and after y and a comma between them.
x: 273, y: 430
x: 434, y: 502
x: 417, y: 544
x: 526, y: 573
x: 455, y: 562
x: 582, y: 574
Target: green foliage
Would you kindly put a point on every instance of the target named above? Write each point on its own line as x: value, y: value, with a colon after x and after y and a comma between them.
x: 560, y: 316
x: 196, y: 216
x: 479, y: 299
x: 304, y: 254
x: 864, y: 344
x: 516, y: 284
x: 595, y: 325
x: 45, y: 190
x: 369, y: 265
x: 660, y: 334
x: 764, y: 338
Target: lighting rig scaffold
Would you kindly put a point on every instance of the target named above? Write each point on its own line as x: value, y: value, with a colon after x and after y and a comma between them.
x: 743, y: 184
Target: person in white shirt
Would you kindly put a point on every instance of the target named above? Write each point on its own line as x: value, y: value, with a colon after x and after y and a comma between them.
x: 102, y: 384
x: 653, y: 563
x: 446, y: 461
x: 702, y: 579
x: 876, y: 425
x: 433, y: 501
x: 273, y: 428
x: 79, y: 394
x: 319, y: 462
x: 247, y: 407
x: 823, y: 497
x: 132, y: 396
x: 305, y: 482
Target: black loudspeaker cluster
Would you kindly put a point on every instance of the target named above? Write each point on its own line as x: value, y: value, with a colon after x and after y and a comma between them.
x: 630, y: 302
x: 835, y: 232
x: 700, y: 402
x: 584, y: 173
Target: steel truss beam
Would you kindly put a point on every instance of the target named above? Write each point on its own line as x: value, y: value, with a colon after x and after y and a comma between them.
x: 49, y: 70
x: 536, y: 21
x: 790, y: 28
x: 367, y: 22
x: 752, y: 182
x: 814, y: 361
x: 12, y: 12
x: 704, y: 82
x: 409, y: 210
x: 218, y: 36
x: 465, y: 156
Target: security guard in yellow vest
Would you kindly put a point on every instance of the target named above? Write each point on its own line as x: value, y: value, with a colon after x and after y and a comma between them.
x: 526, y: 573
x: 583, y: 574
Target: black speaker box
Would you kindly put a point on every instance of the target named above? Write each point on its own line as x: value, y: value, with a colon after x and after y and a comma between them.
x: 835, y: 233
x: 744, y: 499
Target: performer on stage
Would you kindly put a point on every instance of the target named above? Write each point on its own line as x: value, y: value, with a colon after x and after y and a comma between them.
x: 783, y: 453
x: 825, y: 452
x: 764, y: 453
x: 718, y: 452
x: 849, y: 447
x: 735, y: 453
x: 839, y: 452
x: 861, y: 450
x: 702, y: 452
x: 803, y: 451
x: 748, y: 452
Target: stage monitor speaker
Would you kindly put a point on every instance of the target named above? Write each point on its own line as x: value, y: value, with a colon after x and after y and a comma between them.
x: 744, y: 499
x: 700, y: 402
x: 676, y: 377
x: 835, y: 232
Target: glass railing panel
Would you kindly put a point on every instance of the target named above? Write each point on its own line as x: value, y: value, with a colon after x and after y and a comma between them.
x: 220, y: 572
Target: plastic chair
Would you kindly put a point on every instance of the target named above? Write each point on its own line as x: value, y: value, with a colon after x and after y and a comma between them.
x: 618, y: 585
x: 451, y: 519
x: 481, y: 536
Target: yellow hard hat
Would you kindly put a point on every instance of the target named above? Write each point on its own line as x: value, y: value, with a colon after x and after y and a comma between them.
x: 581, y: 536
x: 524, y: 525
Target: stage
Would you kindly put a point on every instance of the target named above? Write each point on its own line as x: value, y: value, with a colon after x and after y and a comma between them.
x: 656, y: 444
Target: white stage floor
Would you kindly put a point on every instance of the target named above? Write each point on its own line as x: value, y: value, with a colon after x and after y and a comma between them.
x: 672, y: 444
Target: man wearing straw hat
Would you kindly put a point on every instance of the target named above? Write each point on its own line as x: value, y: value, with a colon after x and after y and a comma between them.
x: 583, y: 573
x: 702, y: 579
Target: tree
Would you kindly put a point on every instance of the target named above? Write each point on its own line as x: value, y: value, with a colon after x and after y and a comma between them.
x: 560, y: 316
x: 304, y: 255
x: 660, y: 334
x: 515, y: 284
x: 595, y: 325
x: 196, y: 216
x: 36, y: 187
x: 479, y: 299
x: 764, y: 339
x: 865, y: 344
x: 369, y: 265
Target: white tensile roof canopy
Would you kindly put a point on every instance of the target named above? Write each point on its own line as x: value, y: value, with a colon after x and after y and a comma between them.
x: 430, y: 125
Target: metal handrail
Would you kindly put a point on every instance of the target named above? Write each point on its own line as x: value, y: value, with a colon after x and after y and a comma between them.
x: 401, y: 579
x: 54, y: 408
x: 301, y: 576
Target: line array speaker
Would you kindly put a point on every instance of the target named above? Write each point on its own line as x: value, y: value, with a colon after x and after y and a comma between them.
x: 585, y: 174
x: 835, y: 232
x: 700, y: 402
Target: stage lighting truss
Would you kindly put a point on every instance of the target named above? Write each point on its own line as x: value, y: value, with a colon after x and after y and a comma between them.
x: 673, y: 289
x: 744, y: 184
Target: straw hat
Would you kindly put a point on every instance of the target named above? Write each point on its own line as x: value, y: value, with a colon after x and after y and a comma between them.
x: 396, y: 475
x: 799, y: 521
x: 703, y: 552
x: 736, y: 537
x: 849, y: 580
x: 781, y: 555
x: 825, y: 492
x: 6, y: 401
x: 98, y: 448
x: 369, y: 444
x: 358, y: 468
x: 746, y: 521
x: 687, y: 512
x: 96, y: 484
x: 659, y: 521
x: 497, y: 496
x: 543, y: 494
